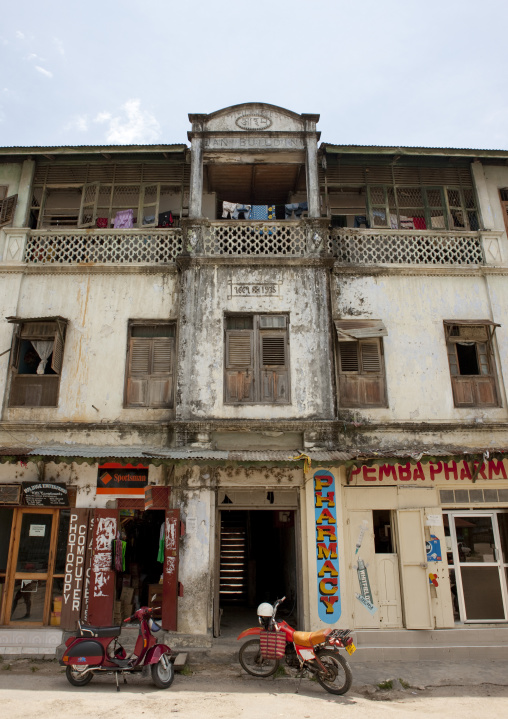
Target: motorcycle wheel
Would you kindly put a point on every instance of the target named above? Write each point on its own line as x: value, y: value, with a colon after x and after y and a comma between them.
x: 253, y: 662
x: 75, y: 676
x: 338, y: 677
x: 163, y: 672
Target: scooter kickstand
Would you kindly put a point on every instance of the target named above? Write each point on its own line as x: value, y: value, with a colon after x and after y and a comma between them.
x: 116, y: 678
x: 124, y: 678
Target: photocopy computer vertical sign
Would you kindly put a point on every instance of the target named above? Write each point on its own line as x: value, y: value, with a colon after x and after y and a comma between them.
x: 326, y: 547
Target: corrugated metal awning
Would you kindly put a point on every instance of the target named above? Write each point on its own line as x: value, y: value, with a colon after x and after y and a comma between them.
x: 349, y: 330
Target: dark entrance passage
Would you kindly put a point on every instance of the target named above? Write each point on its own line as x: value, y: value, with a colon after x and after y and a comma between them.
x: 258, y: 563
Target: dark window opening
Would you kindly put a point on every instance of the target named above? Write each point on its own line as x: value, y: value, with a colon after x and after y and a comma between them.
x: 468, y: 361
x: 383, y: 542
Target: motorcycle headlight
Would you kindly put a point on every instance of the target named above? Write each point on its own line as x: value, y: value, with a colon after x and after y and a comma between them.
x: 154, y: 627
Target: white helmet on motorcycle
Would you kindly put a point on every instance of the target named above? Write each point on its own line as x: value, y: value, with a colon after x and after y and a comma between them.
x: 265, y: 610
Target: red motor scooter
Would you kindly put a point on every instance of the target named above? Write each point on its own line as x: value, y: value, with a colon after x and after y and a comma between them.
x: 97, y: 649
x: 314, y: 652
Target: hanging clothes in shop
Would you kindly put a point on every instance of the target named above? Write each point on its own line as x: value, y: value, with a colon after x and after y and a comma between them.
x: 160, y: 554
x: 119, y: 550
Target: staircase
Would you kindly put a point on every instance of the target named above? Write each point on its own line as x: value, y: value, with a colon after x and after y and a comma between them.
x: 233, y: 565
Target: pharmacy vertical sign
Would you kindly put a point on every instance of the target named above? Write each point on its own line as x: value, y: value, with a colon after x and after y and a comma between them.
x: 325, y: 513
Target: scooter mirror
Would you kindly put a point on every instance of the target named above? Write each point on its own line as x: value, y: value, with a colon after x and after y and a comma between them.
x: 154, y: 597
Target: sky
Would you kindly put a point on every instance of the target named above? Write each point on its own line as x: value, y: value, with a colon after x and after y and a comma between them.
x: 394, y: 72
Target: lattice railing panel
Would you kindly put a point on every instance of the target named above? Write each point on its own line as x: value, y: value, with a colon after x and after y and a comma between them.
x: 103, y: 246
x: 398, y: 247
x: 255, y: 238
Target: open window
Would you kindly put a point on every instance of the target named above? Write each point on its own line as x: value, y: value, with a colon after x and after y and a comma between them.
x: 256, y: 359
x: 36, y: 361
x: 361, y: 363
x: 150, y: 365
x: 472, y: 364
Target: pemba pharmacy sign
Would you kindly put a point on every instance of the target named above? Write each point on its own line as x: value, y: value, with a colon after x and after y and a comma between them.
x: 440, y: 472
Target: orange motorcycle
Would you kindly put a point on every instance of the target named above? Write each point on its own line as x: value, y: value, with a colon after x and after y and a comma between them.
x: 315, y: 653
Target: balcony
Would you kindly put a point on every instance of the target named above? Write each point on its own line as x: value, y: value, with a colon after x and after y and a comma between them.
x: 291, y: 239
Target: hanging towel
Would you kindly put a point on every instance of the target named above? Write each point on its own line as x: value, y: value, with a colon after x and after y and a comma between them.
x: 259, y: 212
x: 124, y: 220
x: 228, y: 208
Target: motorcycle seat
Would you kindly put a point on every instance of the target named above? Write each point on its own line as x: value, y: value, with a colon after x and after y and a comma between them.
x: 87, y: 630
x: 310, y: 639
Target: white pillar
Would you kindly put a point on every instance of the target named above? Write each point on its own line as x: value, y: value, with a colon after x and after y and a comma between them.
x: 482, y: 192
x: 196, y: 179
x: 312, y: 176
x: 24, y: 194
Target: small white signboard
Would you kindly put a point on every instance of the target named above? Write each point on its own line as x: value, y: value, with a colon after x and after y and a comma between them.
x: 37, y: 530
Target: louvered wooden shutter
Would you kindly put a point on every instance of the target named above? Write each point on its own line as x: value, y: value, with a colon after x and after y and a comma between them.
x: 361, y: 374
x: 7, y: 208
x: 139, y: 371
x: 150, y: 372
x: 58, y: 348
x: 160, y: 385
x: 274, y: 367
x: 239, y: 380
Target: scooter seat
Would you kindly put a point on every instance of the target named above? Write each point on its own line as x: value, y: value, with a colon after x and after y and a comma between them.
x: 310, y: 639
x: 87, y: 630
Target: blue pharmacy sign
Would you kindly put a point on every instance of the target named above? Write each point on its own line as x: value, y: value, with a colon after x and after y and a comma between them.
x: 328, y: 581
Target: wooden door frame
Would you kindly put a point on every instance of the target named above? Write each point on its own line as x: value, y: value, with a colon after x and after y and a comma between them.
x: 12, y: 575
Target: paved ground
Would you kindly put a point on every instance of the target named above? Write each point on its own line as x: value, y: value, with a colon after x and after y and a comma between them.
x: 39, y: 689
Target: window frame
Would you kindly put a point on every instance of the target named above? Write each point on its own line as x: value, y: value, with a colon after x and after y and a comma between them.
x: 152, y: 377
x: 49, y: 381
x: 263, y: 383
x: 474, y: 384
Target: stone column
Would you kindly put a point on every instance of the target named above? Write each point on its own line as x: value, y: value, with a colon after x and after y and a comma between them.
x: 196, y: 178
x: 482, y: 191
x: 24, y: 194
x: 312, y: 175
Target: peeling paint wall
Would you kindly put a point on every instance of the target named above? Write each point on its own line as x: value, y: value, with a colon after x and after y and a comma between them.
x: 207, y: 297
x: 413, y: 308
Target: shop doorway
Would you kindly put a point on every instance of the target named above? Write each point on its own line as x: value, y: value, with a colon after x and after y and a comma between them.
x: 32, y: 565
x: 258, y: 561
x: 477, y: 549
x: 139, y: 562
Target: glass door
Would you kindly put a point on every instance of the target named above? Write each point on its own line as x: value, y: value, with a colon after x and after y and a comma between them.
x: 479, y: 566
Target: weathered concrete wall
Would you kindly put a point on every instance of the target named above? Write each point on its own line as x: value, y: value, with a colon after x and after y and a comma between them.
x: 413, y: 309
x: 10, y: 173
x: 98, y: 307
x: 206, y: 297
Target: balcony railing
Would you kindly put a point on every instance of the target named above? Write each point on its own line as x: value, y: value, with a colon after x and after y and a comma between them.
x: 292, y: 239
x: 412, y: 247
x: 63, y: 247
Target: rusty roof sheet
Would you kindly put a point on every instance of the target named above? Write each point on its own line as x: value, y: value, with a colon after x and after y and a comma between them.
x: 193, y: 453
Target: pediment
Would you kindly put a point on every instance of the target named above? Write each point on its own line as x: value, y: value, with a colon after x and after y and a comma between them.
x: 253, y: 117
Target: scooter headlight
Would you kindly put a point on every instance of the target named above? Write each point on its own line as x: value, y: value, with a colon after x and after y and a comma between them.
x: 154, y: 627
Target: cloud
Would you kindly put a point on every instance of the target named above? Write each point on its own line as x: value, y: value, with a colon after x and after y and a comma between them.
x: 47, y: 73
x: 59, y: 45
x: 80, y: 123
x: 20, y: 35
x: 134, y: 125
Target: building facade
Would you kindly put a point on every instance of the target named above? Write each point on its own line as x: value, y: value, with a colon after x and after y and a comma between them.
x: 248, y: 367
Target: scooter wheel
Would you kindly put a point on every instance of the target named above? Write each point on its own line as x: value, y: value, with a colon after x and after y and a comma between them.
x: 76, y: 677
x: 254, y: 662
x: 163, y: 672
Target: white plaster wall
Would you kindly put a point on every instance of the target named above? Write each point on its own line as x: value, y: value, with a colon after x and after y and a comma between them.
x: 98, y: 307
x: 496, y: 177
x: 10, y: 174
x: 413, y: 309
x: 303, y: 296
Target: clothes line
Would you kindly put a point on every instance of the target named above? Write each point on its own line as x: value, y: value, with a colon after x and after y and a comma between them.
x: 235, y: 211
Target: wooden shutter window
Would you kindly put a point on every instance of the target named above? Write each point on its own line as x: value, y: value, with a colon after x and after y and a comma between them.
x: 7, y: 208
x: 348, y: 352
x: 361, y: 381
x: 371, y: 358
x: 273, y: 350
x: 239, y: 349
x: 150, y: 372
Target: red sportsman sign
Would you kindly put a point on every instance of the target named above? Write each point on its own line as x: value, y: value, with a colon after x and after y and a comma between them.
x: 113, y: 478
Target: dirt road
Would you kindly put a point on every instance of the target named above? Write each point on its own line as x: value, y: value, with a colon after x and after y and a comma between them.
x: 39, y: 689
